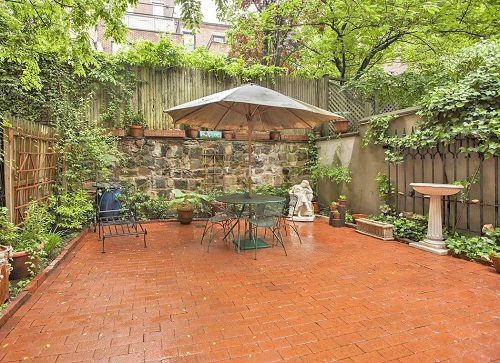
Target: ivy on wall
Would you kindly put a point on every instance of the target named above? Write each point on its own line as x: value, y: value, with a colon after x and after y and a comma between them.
x: 465, y: 106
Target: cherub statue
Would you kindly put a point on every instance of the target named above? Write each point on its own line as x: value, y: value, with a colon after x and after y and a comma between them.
x: 301, y: 196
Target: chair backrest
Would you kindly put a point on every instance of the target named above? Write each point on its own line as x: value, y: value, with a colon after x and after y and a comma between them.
x: 108, y: 203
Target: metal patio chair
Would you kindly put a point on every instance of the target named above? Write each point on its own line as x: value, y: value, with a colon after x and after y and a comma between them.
x: 266, y: 216
x: 222, y: 217
x: 114, y: 221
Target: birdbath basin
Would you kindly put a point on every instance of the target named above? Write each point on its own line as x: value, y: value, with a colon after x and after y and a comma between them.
x: 433, y: 242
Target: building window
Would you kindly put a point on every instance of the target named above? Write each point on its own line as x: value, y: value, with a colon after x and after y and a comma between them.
x: 218, y: 38
x: 158, y: 9
x: 188, y: 40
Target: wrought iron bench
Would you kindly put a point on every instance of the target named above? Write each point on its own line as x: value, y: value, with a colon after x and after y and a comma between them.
x: 112, y: 220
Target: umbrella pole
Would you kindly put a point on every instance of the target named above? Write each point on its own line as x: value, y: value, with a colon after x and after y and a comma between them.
x: 250, y: 141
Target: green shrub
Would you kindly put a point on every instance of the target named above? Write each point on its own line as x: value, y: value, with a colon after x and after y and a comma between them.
x: 71, y: 210
x: 475, y: 246
x: 51, y: 241
x: 9, y: 232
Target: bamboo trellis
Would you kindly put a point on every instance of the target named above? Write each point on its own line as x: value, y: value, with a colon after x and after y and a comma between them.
x: 29, y: 165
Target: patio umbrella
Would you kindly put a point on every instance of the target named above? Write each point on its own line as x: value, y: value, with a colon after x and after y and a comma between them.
x: 250, y: 107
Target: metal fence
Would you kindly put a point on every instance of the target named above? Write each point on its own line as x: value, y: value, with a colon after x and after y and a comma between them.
x: 446, y: 164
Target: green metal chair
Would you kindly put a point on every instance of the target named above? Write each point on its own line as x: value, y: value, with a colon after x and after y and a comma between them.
x: 265, y: 216
x: 221, y: 216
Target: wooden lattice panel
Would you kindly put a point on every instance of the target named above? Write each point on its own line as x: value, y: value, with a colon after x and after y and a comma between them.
x: 30, y: 166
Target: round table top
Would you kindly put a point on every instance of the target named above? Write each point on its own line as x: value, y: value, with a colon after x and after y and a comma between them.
x: 254, y: 199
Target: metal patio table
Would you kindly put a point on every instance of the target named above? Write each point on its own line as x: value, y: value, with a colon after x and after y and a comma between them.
x: 247, y: 202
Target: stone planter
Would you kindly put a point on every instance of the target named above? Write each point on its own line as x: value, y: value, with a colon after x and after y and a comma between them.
x: 375, y: 229
x: 356, y: 216
x: 292, y: 137
x: 5, y: 253
x: 164, y: 133
x: 135, y: 131
x: 341, y: 126
x: 192, y: 132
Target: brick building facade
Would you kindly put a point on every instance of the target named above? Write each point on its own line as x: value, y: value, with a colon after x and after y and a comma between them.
x: 153, y: 19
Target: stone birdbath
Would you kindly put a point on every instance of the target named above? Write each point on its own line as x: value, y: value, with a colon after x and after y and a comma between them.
x: 434, y: 240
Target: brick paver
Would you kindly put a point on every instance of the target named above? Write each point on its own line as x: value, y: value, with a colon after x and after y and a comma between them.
x: 338, y: 296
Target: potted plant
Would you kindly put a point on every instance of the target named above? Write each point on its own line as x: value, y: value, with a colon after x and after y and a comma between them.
x: 495, y: 259
x: 342, y: 201
x: 186, y: 204
x: 135, y: 123
x: 228, y: 134
x: 192, y: 132
x: 275, y: 135
x: 27, y: 242
x: 341, y: 126
x: 333, y: 206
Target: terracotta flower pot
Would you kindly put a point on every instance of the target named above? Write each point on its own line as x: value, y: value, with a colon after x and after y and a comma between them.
x: 228, y: 134
x: 341, y: 126
x: 496, y: 262
x: 4, y: 272
x: 185, y: 215
x: 135, y: 130
x: 20, y: 266
x: 275, y: 135
x: 192, y: 132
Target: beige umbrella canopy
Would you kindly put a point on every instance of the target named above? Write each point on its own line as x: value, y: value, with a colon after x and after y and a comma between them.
x: 250, y: 107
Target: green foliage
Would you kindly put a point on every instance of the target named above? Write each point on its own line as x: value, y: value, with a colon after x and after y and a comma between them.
x: 385, y: 188
x: 9, y: 232
x: 87, y: 152
x: 338, y: 174
x: 476, y: 246
x: 71, y: 210
x: 467, y: 105
x: 166, y: 54
x: 345, y: 39
x: 279, y: 190
x: 51, y: 242
x: 29, y: 28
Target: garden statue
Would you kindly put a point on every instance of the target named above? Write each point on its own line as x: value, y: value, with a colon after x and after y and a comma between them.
x: 300, y: 207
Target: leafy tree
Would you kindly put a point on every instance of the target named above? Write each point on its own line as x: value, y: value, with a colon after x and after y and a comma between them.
x: 31, y: 27
x: 346, y: 38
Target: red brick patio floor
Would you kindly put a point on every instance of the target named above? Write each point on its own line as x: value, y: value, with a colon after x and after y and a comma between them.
x: 340, y: 296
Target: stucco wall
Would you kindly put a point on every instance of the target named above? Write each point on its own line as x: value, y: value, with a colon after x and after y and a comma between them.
x: 364, y: 163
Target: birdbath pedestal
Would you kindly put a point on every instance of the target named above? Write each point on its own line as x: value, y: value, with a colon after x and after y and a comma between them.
x: 434, y: 240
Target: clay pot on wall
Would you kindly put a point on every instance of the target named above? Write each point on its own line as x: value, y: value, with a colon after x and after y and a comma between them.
x: 4, y: 272
x: 275, y: 135
x: 341, y: 126
x: 136, y: 130
x: 495, y: 259
x: 20, y: 261
x: 185, y: 213
x: 192, y: 132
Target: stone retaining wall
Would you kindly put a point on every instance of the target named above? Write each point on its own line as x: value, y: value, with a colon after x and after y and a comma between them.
x: 157, y: 165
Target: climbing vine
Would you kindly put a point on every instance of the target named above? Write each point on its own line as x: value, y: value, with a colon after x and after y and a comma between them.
x: 464, y: 106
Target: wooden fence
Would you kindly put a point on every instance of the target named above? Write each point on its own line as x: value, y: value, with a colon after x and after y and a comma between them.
x: 29, y: 165
x: 157, y: 90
